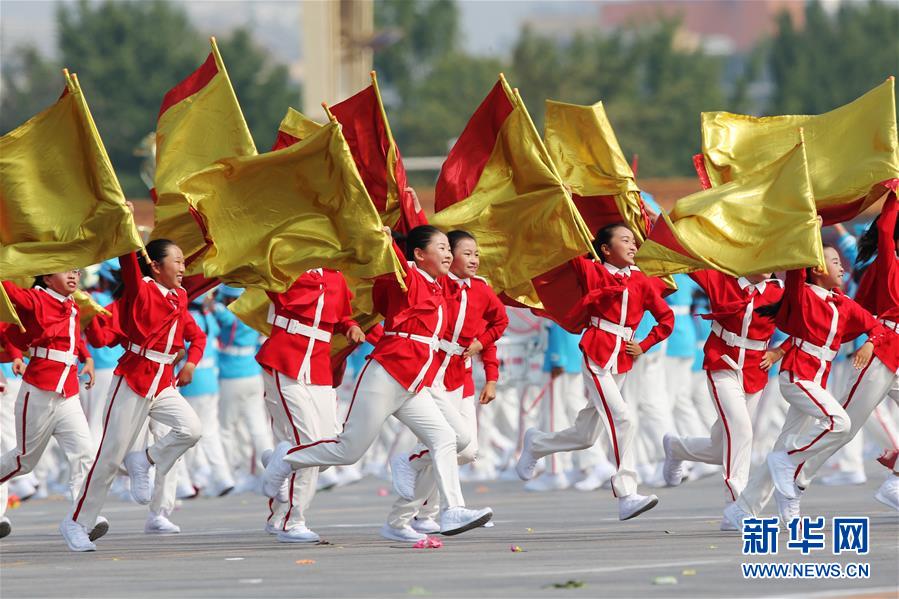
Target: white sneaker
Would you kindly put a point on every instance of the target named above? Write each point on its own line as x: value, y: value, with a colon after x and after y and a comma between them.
x: 527, y: 463
x: 274, y: 479
x: 888, y: 493
x: 99, y: 529
x: 272, y: 529
x: 631, y: 506
x: 548, y: 482
x: 727, y: 525
x: 841, y: 478
x: 327, y: 480
x: 598, y: 476
x: 457, y: 520
x: 298, y: 534
x: 734, y: 514
x: 219, y: 488
x: 782, y: 471
x: 247, y: 484
x: 23, y: 487
x: 403, y: 476
x: 426, y: 526
x: 787, y: 507
x: 404, y: 535
x: 75, y: 536
x: 139, y: 469
x: 673, y: 470
x: 158, y: 524
x: 701, y: 470
x: 348, y: 475
x: 5, y: 527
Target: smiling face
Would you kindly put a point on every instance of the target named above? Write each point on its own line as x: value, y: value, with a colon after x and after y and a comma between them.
x: 169, y: 270
x: 620, y: 249
x: 436, y: 257
x: 63, y: 283
x: 466, y: 259
x: 832, y: 276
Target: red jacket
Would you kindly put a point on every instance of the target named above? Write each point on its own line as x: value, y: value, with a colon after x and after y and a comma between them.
x: 607, y: 290
x: 732, y: 303
x: 155, y: 323
x: 318, y: 299
x: 491, y: 370
x: 824, y: 319
x: 879, y: 290
x: 51, y: 323
x: 483, y: 318
x: 420, y: 312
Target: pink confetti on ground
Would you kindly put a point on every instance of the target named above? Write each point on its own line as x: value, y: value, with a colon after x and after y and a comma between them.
x: 382, y: 492
x: 515, y: 549
x: 429, y: 543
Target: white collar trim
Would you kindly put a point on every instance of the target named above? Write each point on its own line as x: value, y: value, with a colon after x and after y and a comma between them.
x: 427, y: 277
x: 462, y: 282
x: 626, y: 271
x: 57, y: 296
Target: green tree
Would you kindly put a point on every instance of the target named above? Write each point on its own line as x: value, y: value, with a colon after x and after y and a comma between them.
x: 832, y: 59
x: 30, y: 83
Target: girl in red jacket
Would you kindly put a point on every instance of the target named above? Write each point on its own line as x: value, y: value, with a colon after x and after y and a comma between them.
x: 155, y: 323
x: 47, y: 404
x: 616, y: 296
x: 476, y: 319
x: 298, y: 385
x: 819, y: 318
x: 736, y: 363
x: 395, y: 381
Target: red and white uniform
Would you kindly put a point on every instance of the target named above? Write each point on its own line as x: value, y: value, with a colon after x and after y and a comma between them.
x: 880, y: 378
x: 474, y: 313
x: 614, y: 302
x: 394, y: 381
x: 47, y: 404
x: 297, y: 375
x: 154, y: 323
x: 818, y: 321
x: 733, y: 355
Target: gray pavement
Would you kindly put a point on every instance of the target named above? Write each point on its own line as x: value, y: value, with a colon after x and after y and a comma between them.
x: 565, y: 536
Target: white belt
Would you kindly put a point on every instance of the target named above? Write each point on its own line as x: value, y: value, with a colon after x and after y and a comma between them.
x: 431, y: 342
x: 680, y: 310
x: 152, y: 355
x: 451, y: 348
x: 239, y: 350
x: 608, y: 326
x: 734, y: 340
x: 295, y: 327
x: 893, y: 326
x: 822, y: 353
x: 55, y: 355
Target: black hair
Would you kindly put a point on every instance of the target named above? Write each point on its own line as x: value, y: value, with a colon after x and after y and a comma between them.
x: 604, y: 237
x: 157, y: 250
x: 771, y: 310
x: 417, y: 238
x: 458, y: 235
x: 867, y: 243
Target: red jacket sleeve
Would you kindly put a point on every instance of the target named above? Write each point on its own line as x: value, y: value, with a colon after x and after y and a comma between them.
x: 860, y: 322
x: 496, y: 318
x: 661, y: 311
x: 346, y: 312
x: 886, y: 225
x: 490, y: 362
x: 21, y: 298
x: 195, y: 335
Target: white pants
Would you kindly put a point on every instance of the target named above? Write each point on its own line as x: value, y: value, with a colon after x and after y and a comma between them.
x: 461, y: 415
x: 679, y: 382
x: 870, y: 386
x: 646, y: 390
x: 93, y: 401
x: 242, y: 404
x: 730, y: 440
x: 377, y: 396
x: 605, y: 407
x: 41, y: 415
x: 214, y: 469
x: 815, y: 423
x: 301, y: 414
x: 126, y: 414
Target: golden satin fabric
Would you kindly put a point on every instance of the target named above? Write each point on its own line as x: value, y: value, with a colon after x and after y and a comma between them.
x: 61, y: 205
x: 850, y: 149
x: 191, y: 135
x: 764, y: 222
x: 298, y: 124
x: 274, y: 216
x: 520, y: 212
